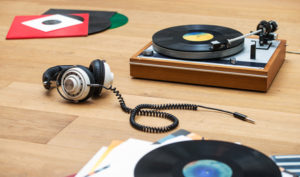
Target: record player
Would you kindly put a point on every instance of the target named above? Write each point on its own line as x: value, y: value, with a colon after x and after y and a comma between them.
x: 212, y: 55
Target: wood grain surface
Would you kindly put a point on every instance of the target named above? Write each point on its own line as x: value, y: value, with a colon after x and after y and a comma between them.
x: 43, y: 135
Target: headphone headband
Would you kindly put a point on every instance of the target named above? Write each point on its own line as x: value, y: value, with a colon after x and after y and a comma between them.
x: 52, y: 73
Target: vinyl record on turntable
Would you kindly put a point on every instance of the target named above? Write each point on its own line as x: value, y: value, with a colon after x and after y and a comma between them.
x: 205, y: 158
x: 194, y: 41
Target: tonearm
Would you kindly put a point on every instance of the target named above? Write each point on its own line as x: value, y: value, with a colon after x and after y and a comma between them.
x: 264, y: 30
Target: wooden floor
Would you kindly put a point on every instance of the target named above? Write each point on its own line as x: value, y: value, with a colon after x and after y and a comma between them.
x: 43, y: 135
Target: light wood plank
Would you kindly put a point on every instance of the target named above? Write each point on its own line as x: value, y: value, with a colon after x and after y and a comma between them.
x: 278, y: 130
x: 4, y: 83
x: 24, y: 159
x: 274, y: 126
x: 31, y: 125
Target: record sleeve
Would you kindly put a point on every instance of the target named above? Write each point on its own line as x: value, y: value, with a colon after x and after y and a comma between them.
x: 48, y: 26
x: 99, y: 20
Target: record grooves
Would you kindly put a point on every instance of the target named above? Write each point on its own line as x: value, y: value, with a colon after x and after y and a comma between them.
x: 194, y: 41
x: 205, y: 159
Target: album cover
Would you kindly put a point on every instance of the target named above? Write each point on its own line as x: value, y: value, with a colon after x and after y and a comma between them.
x: 288, y: 164
x: 48, y: 26
x: 99, y: 20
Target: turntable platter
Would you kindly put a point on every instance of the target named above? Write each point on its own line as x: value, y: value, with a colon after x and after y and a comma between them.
x: 194, y: 41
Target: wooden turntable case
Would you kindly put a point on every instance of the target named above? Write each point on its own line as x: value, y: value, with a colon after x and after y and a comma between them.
x: 208, y: 74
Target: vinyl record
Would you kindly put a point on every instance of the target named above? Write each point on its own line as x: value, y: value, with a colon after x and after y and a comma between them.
x: 194, y: 41
x: 98, y: 21
x: 118, y: 20
x: 205, y: 159
x: 74, y: 17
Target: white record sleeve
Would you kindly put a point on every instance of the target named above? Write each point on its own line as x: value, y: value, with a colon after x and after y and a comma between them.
x: 62, y: 22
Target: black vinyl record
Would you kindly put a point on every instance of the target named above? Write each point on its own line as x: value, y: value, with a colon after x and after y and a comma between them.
x: 194, y: 41
x: 98, y: 20
x: 205, y: 158
x: 75, y: 17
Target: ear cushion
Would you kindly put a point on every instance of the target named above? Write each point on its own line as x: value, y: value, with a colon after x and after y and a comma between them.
x: 92, y: 80
x: 98, y: 70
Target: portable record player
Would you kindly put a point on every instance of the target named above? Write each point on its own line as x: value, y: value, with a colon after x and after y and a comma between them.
x: 212, y: 55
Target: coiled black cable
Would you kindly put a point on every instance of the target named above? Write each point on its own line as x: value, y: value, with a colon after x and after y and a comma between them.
x: 153, y: 110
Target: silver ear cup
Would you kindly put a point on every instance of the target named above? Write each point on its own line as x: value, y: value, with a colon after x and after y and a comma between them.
x: 74, y: 84
x: 108, y: 77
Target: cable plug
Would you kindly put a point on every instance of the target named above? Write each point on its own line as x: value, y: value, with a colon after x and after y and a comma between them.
x: 243, y: 117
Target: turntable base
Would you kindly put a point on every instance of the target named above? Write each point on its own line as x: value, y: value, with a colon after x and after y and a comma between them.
x: 209, y: 73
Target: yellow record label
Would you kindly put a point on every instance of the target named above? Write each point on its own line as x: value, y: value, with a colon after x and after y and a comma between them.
x: 198, y: 36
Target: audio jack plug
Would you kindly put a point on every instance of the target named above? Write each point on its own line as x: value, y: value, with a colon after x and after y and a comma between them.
x: 238, y: 115
x: 243, y: 117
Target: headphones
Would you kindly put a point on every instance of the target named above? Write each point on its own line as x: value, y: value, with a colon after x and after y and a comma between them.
x: 77, y: 83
